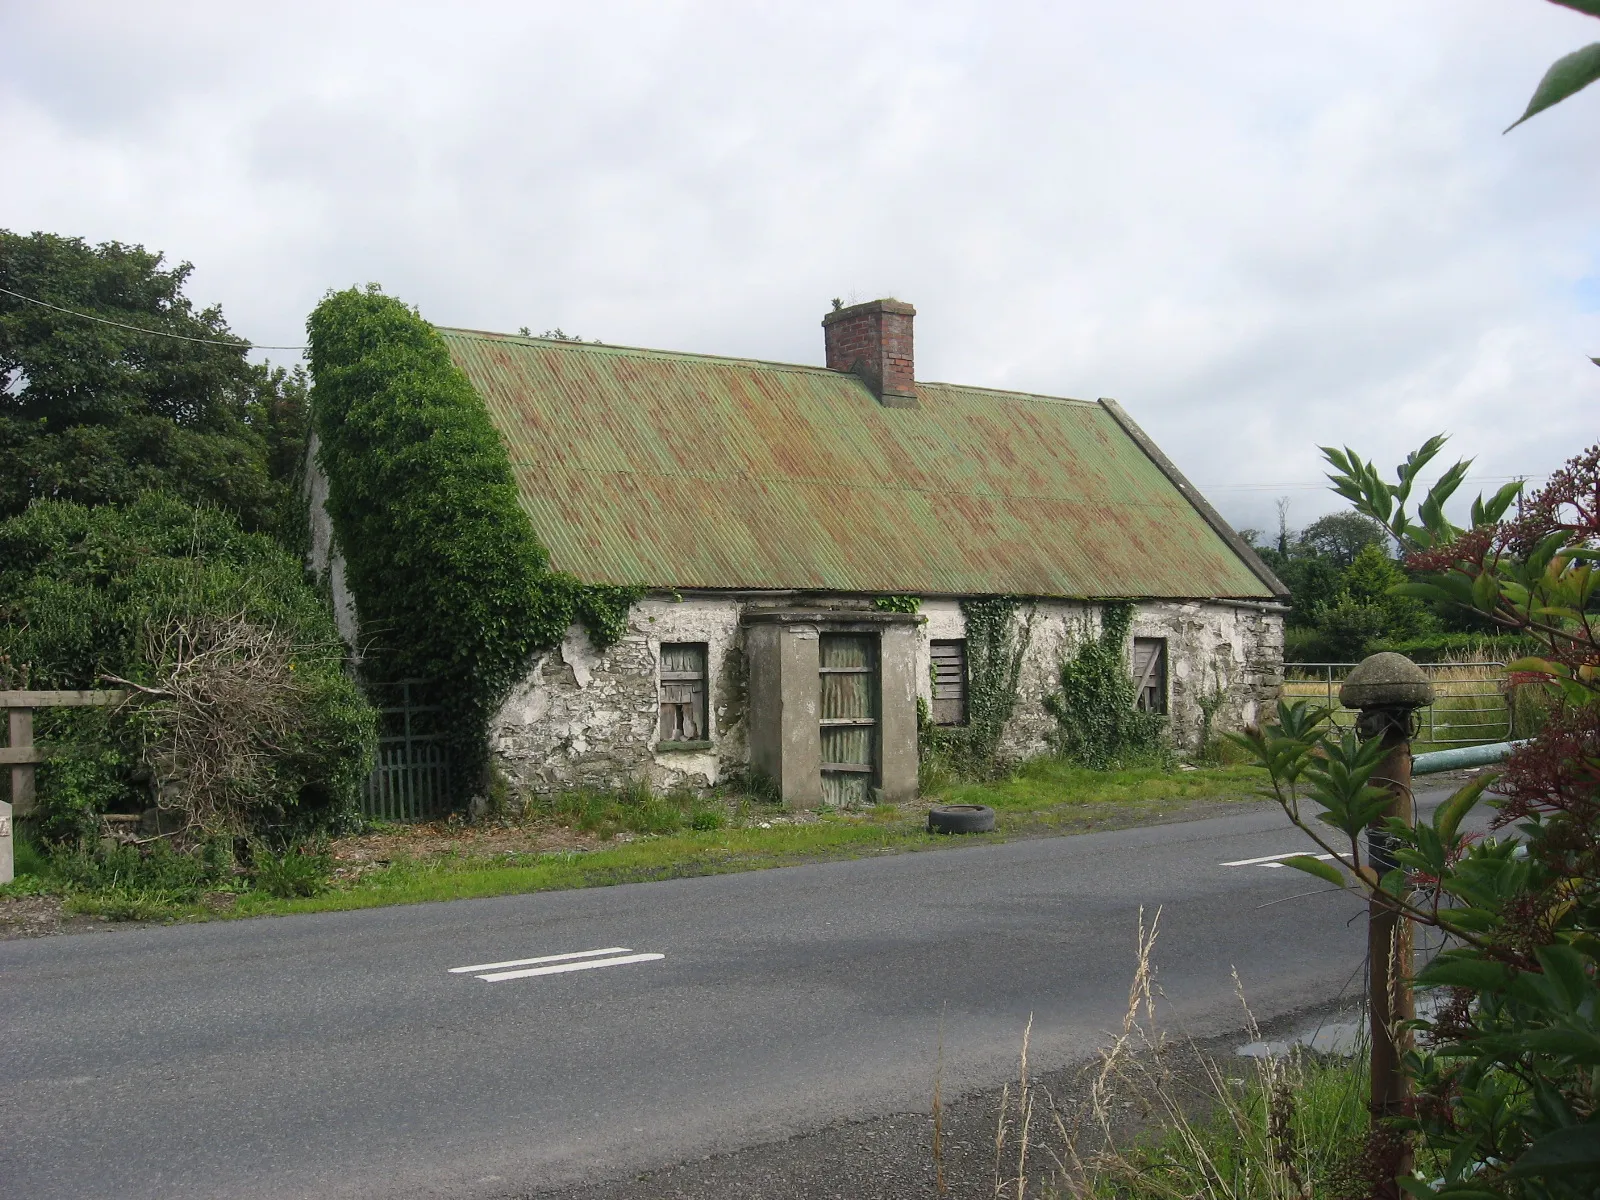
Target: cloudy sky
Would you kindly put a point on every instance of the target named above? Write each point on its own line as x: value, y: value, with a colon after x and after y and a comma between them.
x: 1261, y: 226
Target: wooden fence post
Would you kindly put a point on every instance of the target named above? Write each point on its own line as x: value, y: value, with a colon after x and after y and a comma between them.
x: 22, y: 787
x: 23, y: 757
x: 22, y: 774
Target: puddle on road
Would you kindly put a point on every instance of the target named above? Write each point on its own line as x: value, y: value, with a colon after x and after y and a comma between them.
x: 1341, y: 1034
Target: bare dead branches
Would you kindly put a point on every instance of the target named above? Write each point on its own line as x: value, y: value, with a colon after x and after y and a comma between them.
x: 225, y: 713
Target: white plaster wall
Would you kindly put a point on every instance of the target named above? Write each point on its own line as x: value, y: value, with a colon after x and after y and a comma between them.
x: 586, y: 717
x: 326, y: 561
x: 1209, y: 644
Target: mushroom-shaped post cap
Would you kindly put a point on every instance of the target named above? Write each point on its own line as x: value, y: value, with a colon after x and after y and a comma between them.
x: 1386, y: 680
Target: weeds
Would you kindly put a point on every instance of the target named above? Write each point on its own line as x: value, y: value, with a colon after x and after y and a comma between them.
x: 1164, y: 1121
x: 155, y: 869
x: 634, y: 808
x: 640, y: 837
x: 295, y: 872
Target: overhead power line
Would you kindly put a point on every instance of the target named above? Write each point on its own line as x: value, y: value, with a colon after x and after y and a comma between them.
x: 179, y: 337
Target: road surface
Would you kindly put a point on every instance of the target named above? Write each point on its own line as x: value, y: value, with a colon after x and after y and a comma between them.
x: 350, y: 1055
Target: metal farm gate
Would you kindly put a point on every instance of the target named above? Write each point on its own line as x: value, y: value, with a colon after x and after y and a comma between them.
x: 411, y: 780
x: 1470, y: 705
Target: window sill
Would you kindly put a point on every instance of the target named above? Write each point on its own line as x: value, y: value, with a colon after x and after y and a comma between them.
x: 676, y: 747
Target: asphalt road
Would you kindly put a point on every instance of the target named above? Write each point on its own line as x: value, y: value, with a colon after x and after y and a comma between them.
x: 338, y: 1055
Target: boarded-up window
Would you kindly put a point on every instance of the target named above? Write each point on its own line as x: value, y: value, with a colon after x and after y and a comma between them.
x: 949, y: 683
x: 849, y: 665
x: 683, y: 692
x: 1150, y: 674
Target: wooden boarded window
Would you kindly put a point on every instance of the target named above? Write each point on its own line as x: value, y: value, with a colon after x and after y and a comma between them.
x: 1150, y: 674
x: 683, y: 692
x: 849, y: 666
x: 949, y: 682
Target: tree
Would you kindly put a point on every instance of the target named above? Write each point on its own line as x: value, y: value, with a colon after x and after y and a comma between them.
x: 99, y: 413
x: 1339, y: 537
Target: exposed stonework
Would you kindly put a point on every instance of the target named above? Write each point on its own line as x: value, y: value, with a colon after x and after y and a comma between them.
x: 588, y: 718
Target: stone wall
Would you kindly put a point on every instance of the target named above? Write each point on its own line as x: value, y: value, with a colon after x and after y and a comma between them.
x: 1211, y: 645
x: 585, y: 717
x: 588, y: 718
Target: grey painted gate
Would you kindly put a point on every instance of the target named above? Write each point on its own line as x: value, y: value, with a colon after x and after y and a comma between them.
x: 411, y: 779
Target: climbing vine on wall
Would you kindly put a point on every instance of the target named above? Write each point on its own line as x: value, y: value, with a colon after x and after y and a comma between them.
x: 1097, y: 723
x: 451, y: 583
x: 900, y: 604
x: 997, y: 641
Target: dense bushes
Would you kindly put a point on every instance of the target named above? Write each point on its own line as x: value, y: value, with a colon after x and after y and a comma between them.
x: 450, y: 581
x: 89, y: 593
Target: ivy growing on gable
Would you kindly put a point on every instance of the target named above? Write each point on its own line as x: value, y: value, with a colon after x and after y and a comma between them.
x: 450, y: 580
x: 1098, y: 725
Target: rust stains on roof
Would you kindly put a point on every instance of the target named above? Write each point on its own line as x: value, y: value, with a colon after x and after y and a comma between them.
x: 680, y: 470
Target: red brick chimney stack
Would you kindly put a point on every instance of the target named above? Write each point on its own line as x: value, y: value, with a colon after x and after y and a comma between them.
x: 873, y: 340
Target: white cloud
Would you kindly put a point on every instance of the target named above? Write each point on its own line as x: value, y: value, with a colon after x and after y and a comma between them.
x: 1260, y: 226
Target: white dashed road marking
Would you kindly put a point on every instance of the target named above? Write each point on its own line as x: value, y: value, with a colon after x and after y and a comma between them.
x: 1273, y: 860
x: 556, y: 964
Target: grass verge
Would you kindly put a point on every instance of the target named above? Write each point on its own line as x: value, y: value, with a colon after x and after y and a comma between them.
x: 1042, y: 798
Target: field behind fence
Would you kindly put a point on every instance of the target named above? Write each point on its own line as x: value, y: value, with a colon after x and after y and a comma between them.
x: 1471, y: 706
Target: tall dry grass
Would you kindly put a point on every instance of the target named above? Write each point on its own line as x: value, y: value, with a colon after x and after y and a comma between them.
x: 1162, y: 1120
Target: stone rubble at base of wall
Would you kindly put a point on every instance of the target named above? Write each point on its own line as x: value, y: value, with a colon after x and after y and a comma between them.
x: 588, y: 718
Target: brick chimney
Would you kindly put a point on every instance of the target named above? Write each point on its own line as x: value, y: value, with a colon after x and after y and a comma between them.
x: 873, y: 340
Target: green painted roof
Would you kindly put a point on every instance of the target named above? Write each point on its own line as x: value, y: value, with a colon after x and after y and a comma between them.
x: 680, y: 470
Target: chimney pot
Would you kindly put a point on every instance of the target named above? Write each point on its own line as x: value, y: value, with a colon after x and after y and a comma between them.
x: 873, y: 340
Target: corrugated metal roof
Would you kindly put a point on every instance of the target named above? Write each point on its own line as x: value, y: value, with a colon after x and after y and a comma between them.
x: 643, y: 466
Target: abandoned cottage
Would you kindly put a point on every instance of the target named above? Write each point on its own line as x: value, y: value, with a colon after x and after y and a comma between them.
x: 815, y: 539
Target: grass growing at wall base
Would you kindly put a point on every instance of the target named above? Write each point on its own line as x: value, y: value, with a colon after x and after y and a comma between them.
x: 1042, y: 798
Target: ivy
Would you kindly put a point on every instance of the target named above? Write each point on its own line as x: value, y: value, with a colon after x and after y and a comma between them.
x: 899, y: 604
x: 996, y: 645
x: 1098, y: 725
x: 451, y: 583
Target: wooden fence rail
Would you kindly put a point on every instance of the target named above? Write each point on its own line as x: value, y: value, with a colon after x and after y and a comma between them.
x: 23, y: 756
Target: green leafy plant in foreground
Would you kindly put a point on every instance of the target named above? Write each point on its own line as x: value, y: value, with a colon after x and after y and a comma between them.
x: 1569, y: 74
x: 1507, y: 1072
x: 298, y: 871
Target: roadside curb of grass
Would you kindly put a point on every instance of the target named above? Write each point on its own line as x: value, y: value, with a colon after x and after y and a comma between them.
x: 684, y: 854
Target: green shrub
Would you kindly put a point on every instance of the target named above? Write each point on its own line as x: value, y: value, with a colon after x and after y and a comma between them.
x: 450, y: 581
x: 1461, y: 647
x: 1097, y: 724
x: 87, y: 593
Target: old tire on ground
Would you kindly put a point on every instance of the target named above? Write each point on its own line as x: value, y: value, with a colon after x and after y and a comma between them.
x: 960, y: 818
